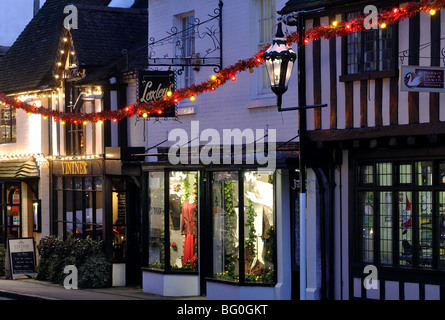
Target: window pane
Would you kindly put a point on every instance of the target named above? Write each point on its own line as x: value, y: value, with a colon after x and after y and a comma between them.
x: 425, y: 227
x: 366, y: 174
x: 225, y: 225
x: 259, y: 231
x: 266, y: 23
x: 7, y: 124
x: 60, y: 211
x: 156, y: 219
x: 424, y: 173
x: 119, y: 224
x: 405, y: 173
x: 405, y: 229
x: 384, y: 174
x: 386, y: 227
x: 88, y: 183
x: 77, y: 183
x: 79, y: 213
x: 98, y: 183
x: 441, y: 211
x: 366, y: 214
x: 89, y: 214
x: 183, y: 220
x: 442, y: 172
x: 99, y: 216
x: 69, y: 214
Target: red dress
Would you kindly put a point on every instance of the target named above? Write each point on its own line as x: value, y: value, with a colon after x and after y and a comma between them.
x: 188, y: 226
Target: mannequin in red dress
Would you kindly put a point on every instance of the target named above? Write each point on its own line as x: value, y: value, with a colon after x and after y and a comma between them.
x: 188, y: 226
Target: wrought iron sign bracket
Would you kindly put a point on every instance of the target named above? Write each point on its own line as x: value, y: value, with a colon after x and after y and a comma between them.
x: 209, y: 30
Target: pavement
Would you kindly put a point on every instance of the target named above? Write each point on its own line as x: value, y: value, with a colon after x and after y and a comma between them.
x: 31, y: 289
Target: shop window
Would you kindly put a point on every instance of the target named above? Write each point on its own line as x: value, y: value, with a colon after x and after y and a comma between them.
x: 10, y: 211
x: 401, y: 218
x: 183, y: 219
x: 246, y: 254
x: 12, y: 198
x: 8, y: 127
x: 78, y: 206
x: 441, y: 210
x: 173, y: 236
x: 225, y: 204
x: 156, y: 219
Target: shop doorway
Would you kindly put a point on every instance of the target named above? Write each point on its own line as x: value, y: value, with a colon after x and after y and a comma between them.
x: 126, y: 240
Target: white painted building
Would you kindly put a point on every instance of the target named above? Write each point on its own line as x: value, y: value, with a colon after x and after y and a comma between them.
x: 381, y: 141
x: 184, y: 38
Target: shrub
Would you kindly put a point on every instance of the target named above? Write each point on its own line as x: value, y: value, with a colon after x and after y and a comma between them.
x: 87, y: 255
x: 95, y: 272
x: 2, y: 260
x: 48, y: 246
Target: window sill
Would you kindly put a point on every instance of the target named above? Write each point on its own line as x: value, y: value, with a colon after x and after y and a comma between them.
x: 162, y: 271
x: 368, y: 75
x: 237, y: 283
x: 186, y: 110
x: 262, y: 102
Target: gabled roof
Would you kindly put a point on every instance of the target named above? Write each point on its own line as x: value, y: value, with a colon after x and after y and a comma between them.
x: 106, y: 35
x: 27, y: 64
x: 101, y: 36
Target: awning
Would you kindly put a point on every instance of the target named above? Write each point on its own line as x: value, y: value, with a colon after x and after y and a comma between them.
x: 19, y: 169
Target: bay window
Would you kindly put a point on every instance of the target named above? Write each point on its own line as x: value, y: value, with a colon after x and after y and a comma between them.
x: 400, y: 213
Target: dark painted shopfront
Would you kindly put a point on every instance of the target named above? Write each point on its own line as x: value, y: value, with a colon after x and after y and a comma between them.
x: 99, y: 199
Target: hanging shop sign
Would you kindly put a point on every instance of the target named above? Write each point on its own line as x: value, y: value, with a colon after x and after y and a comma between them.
x: 22, y: 258
x: 422, y: 79
x: 154, y: 86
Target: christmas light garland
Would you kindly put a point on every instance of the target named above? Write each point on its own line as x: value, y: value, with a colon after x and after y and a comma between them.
x: 336, y: 29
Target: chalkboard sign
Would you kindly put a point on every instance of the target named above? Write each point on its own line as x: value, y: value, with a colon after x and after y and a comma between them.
x: 22, y: 257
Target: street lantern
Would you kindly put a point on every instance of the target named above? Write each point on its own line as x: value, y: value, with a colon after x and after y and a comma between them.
x: 279, y: 60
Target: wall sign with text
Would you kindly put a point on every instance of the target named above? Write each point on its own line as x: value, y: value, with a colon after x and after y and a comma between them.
x: 422, y: 79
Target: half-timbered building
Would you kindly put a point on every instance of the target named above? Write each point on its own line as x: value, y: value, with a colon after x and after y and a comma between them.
x: 383, y: 151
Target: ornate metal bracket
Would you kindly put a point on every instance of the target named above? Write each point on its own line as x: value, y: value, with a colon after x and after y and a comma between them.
x: 405, y: 53
x: 198, y: 30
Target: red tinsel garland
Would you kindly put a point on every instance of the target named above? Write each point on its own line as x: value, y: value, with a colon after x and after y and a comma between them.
x: 340, y: 29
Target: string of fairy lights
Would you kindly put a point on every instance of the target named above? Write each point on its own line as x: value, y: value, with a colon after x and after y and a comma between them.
x: 335, y: 29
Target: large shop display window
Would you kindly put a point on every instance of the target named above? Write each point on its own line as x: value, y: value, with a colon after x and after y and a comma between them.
x: 243, y: 226
x: 173, y: 236
x: 401, y: 213
x: 79, y: 207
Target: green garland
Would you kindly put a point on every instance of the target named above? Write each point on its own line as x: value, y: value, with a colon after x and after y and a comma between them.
x: 231, y: 256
